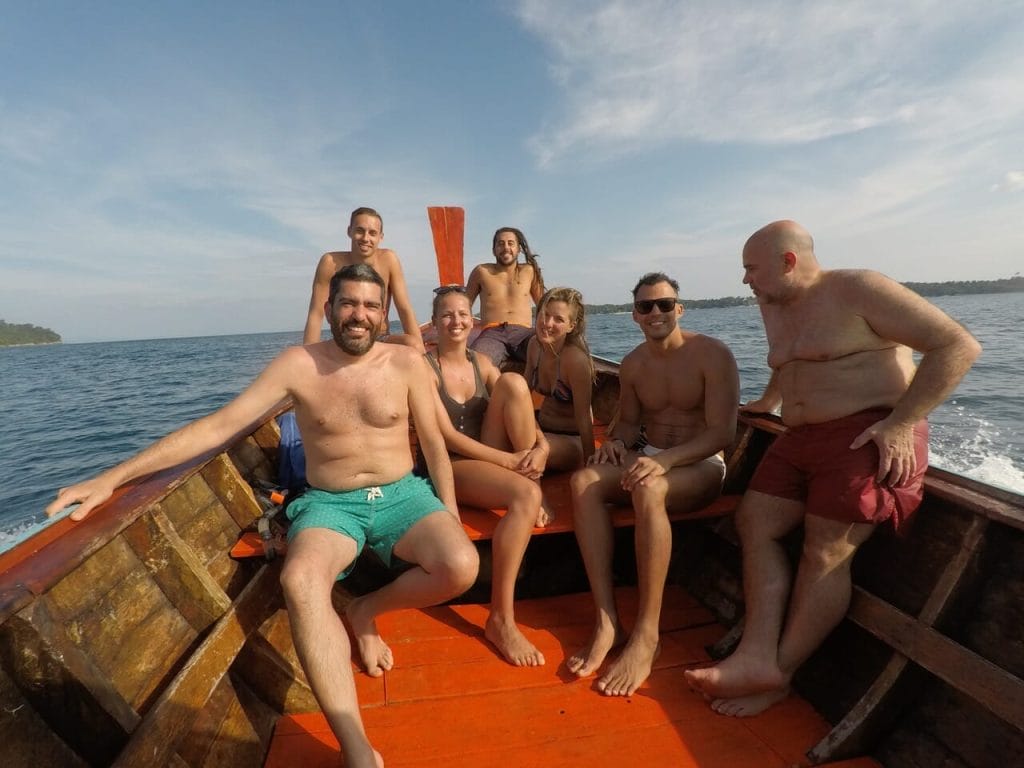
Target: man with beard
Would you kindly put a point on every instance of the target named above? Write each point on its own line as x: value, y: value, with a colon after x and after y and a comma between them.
x: 353, y: 399
x: 507, y: 290
x: 840, y: 345
x: 677, y: 412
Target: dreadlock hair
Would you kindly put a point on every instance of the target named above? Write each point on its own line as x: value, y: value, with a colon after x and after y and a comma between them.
x: 577, y: 314
x: 531, y: 257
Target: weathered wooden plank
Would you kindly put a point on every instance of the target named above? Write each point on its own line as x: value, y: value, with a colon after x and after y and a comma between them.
x: 178, y: 571
x: 873, y: 712
x: 202, y: 521
x: 269, y: 665
x: 233, y: 729
x: 251, y: 460
x: 26, y: 741
x: 234, y: 493
x: 63, y: 685
x: 80, y: 590
x: 993, y: 688
x: 174, y: 713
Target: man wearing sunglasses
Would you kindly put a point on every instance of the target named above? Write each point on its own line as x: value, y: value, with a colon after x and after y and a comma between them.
x: 840, y: 345
x: 508, y: 289
x: 677, y: 412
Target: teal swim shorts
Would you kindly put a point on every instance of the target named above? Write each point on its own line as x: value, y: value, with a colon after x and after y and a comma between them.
x: 376, y: 515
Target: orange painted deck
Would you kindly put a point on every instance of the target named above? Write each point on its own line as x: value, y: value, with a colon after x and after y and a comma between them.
x: 450, y: 700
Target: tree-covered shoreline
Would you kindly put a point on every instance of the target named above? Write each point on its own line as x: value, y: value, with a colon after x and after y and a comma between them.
x: 1013, y: 284
x: 12, y: 335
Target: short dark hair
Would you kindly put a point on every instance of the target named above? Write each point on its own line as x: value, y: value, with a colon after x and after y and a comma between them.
x: 355, y: 273
x: 653, y: 278
x: 364, y: 211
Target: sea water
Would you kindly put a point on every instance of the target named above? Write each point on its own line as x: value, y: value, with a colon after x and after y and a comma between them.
x: 72, y: 410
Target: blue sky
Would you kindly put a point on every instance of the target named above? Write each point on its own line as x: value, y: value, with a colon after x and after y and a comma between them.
x: 176, y: 169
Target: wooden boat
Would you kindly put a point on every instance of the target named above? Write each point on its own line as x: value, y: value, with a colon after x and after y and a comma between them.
x: 134, y: 639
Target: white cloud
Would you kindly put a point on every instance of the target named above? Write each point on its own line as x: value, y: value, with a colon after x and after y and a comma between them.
x: 636, y: 74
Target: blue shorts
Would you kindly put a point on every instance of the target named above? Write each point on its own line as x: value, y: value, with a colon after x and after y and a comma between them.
x: 376, y: 515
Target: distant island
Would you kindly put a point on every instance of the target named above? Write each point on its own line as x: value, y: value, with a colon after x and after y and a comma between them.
x: 12, y: 335
x: 1013, y: 284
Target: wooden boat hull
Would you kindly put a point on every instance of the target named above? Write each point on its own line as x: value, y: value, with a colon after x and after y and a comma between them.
x: 133, y: 639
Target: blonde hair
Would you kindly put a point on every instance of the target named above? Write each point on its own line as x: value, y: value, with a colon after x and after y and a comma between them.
x: 578, y: 317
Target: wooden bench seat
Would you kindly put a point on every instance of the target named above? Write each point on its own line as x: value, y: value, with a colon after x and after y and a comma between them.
x: 480, y: 523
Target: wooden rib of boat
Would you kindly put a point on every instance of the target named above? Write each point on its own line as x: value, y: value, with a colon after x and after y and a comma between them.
x: 134, y: 639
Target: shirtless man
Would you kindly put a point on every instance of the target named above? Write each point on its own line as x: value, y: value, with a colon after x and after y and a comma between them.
x: 366, y: 230
x: 839, y: 344
x: 507, y: 290
x: 353, y: 400
x: 677, y: 412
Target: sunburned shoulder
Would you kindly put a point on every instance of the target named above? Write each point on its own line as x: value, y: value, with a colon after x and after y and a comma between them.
x: 856, y: 287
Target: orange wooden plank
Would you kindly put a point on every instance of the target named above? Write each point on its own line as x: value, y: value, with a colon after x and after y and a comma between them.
x: 480, y: 523
x: 567, y: 725
x: 447, y: 225
x: 451, y: 700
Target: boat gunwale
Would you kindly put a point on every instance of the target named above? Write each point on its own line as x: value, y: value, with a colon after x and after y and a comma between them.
x: 33, y: 567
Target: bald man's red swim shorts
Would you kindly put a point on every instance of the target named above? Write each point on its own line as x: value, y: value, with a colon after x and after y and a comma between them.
x: 813, y: 463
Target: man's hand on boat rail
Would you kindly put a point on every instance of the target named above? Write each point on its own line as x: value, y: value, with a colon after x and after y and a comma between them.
x: 89, y: 494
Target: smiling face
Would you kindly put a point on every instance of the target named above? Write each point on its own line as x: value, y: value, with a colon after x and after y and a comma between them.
x: 453, y: 318
x: 506, y: 247
x: 355, y: 316
x: 554, y: 321
x: 366, y: 232
x: 657, y: 324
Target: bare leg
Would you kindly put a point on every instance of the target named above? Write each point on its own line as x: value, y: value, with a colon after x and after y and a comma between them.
x: 762, y: 521
x: 681, y: 488
x: 510, y: 425
x: 486, y: 485
x: 566, y: 452
x: 315, y: 558
x: 590, y: 487
x: 821, y: 596
x: 446, y: 565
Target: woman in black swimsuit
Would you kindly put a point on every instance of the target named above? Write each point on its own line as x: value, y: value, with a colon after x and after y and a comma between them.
x: 498, y: 455
x: 559, y: 367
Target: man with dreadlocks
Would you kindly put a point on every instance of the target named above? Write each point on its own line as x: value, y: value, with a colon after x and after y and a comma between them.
x: 508, y: 289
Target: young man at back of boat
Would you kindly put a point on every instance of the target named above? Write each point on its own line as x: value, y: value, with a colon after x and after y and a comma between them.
x: 353, y: 400
x: 677, y: 412
x: 840, y: 346
x: 365, y: 230
x: 508, y: 289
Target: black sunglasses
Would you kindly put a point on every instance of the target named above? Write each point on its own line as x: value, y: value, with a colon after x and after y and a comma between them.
x: 441, y: 290
x: 645, y: 306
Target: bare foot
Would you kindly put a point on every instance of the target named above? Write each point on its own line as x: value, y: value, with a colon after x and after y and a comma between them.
x: 374, y: 652
x: 511, y: 643
x: 364, y: 759
x: 546, y: 515
x: 588, y: 659
x: 748, y: 706
x: 736, y: 676
x: 631, y: 668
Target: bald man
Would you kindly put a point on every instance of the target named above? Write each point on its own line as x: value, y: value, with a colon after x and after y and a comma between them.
x: 840, y: 346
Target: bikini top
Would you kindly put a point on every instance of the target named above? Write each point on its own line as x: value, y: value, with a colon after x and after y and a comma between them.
x: 468, y: 417
x: 562, y: 392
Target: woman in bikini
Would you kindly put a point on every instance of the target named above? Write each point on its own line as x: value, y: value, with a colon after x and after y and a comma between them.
x: 559, y: 367
x: 498, y: 454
